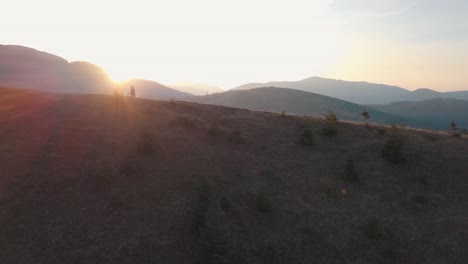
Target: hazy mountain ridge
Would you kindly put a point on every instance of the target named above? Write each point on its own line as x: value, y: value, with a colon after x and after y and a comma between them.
x: 28, y: 68
x: 274, y: 99
x: 358, y: 92
x: 195, y: 88
x: 434, y: 113
x: 154, y: 90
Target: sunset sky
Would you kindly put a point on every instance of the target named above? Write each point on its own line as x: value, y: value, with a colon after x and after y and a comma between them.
x: 410, y: 43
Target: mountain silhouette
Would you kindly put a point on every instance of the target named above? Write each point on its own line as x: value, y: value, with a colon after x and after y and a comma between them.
x: 358, y: 92
x: 195, y: 88
x: 297, y: 102
x: 434, y: 113
x: 28, y: 68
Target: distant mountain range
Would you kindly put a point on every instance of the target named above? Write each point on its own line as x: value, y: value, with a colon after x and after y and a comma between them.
x: 358, y: 92
x: 32, y: 69
x: 434, y: 113
x: 28, y: 68
x: 195, y: 88
x: 297, y: 102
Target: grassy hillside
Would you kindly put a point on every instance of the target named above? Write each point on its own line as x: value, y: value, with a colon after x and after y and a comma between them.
x: 297, y: 102
x: 97, y: 179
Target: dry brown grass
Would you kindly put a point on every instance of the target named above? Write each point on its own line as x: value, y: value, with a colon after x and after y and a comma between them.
x: 74, y: 187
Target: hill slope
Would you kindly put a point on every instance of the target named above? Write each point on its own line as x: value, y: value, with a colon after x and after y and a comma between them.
x: 94, y: 179
x: 436, y: 113
x: 28, y: 68
x: 358, y: 92
x: 297, y: 102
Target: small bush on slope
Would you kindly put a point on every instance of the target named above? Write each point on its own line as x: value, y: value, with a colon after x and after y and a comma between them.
x: 331, y: 123
x: 263, y: 203
x: 351, y: 174
x: 236, y: 137
x: 392, y: 150
x: 145, y: 144
x: 307, y: 137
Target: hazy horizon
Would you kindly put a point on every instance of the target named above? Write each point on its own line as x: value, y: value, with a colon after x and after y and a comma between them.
x: 411, y: 44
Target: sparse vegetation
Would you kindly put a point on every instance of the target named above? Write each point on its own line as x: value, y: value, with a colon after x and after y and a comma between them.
x: 454, y: 129
x: 263, y: 203
x: 374, y: 229
x: 307, y: 137
x: 145, y: 144
x: 464, y: 132
x: 392, y: 150
x: 225, y: 204
x: 350, y: 173
x: 236, y: 137
x: 365, y: 117
x: 212, y: 227
x: 271, y: 177
x: 202, y: 203
x: 184, y: 122
x: 78, y: 189
x: 331, y: 124
x: 215, y: 131
x: 283, y: 114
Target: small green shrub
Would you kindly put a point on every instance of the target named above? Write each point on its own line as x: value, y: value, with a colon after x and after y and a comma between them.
x: 307, y: 137
x: 365, y: 118
x: 329, y: 131
x: 225, y: 204
x: 350, y: 173
x: 381, y: 131
x: 331, y: 118
x: 184, y: 122
x: 130, y: 166
x: 454, y: 129
x: 331, y: 124
x: 306, y: 123
x: 145, y: 144
x: 271, y: 177
x: 392, y: 150
x: 215, y: 131
x: 375, y: 230
x: 202, y: 203
x: 236, y: 137
x: 263, y: 203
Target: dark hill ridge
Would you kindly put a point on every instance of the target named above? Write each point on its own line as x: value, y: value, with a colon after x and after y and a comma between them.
x: 358, y: 92
x: 435, y: 113
x: 298, y: 102
x: 28, y: 68
x: 96, y: 179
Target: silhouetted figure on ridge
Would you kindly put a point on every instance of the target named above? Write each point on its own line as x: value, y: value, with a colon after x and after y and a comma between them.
x: 132, y: 91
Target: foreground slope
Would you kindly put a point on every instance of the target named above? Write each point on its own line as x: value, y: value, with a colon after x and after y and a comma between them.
x: 96, y: 179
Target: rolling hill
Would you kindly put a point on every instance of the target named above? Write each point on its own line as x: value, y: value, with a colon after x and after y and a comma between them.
x: 101, y: 179
x: 28, y: 68
x: 298, y: 102
x: 358, y: 92
x: 435, y: 113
